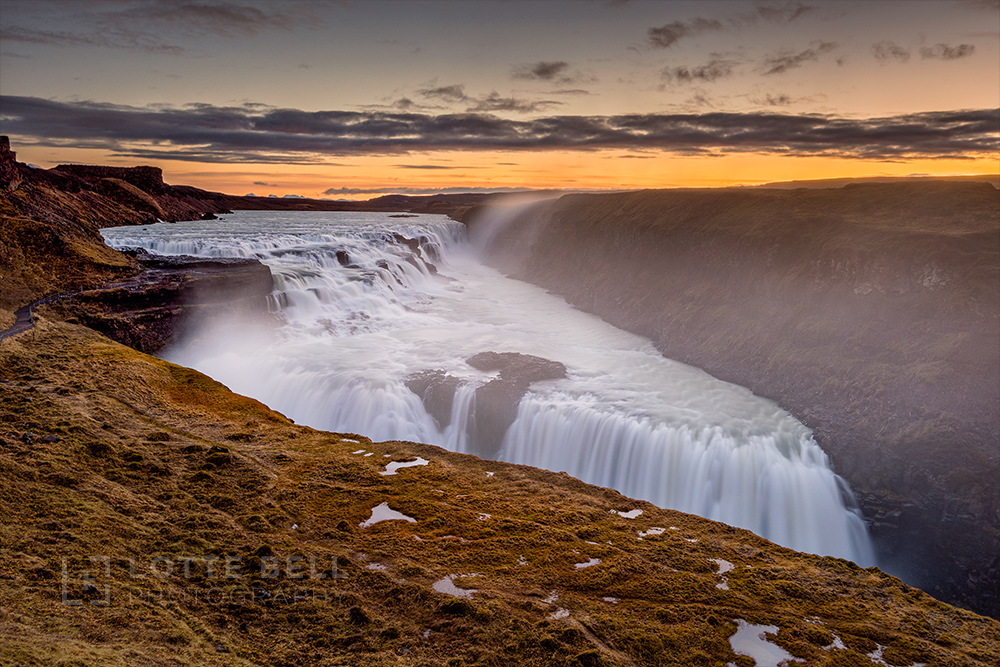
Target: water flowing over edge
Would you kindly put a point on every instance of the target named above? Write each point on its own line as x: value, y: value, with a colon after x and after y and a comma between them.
x: 366, y: 301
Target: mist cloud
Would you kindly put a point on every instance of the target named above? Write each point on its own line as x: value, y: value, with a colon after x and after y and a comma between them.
x: 255, y: 133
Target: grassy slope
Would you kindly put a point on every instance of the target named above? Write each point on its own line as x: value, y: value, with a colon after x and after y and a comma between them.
x: 157, y: 460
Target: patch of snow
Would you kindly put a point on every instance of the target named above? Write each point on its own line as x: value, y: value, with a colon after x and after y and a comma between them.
x: 368, y: 454
x: 631, y: 514
x: 724, y: 565
x: 448, y: 587
x: 393, y: 466
x: 836, y: 645
x: 559, y: 613
x: 384, y: 513
x: 360, y: 451
x: 489, y: 474
x: 483, y: 516
x: 376, y: 566
x: 386, y: 456
x: 522, y: 560
x: 553, y: 596
x: 357, y: 442
x: 592, y: 561
x: 674, y: 528
x: 418, y: 538
x: 611, y: 600
x: 652, y: 531
x: 751, y: 640
x: 692, y: 540
x: 813, y: 620
x: 427, y: 633
x: 876, y: 657
x: 589, y: 542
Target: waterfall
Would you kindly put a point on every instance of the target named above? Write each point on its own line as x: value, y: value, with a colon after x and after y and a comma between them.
x: 378, y: 318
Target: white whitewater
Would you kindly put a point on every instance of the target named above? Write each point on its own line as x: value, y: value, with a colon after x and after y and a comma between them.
x: 354, y: 325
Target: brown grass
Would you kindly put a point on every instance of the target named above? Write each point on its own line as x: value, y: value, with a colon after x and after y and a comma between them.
x: 154, y: 460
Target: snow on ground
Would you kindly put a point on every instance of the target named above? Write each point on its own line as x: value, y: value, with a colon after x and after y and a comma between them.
x: 751, y: 640
x: 651, y: 532
x: 393, y: 466
x: 448, y: 587
x: 384, y: 513
x: 592, y: 561
x: 631, y: 514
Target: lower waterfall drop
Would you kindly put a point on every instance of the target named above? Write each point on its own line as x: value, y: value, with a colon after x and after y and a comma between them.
x: 369, y: 308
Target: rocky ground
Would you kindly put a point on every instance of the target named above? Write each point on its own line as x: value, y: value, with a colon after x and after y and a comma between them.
x: 151, y: 517
x: 871, y: 312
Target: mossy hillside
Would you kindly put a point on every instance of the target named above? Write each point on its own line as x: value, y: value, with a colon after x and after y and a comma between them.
x: 154, y: 460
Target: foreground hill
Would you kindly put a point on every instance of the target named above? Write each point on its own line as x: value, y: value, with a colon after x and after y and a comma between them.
x: 141, y: 501
x: 871, y: 312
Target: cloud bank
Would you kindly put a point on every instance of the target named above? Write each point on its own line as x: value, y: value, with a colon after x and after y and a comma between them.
x: 256, y: 133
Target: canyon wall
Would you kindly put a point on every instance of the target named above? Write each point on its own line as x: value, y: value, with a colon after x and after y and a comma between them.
x: 871, y: 312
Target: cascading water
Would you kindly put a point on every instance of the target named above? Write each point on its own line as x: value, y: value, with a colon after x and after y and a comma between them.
x: 366, y: 302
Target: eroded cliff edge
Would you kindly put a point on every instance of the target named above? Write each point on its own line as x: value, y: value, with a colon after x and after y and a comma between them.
x: 871, y: 312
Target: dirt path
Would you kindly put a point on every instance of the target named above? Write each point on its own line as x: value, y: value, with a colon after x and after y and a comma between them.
x: 23, y: 320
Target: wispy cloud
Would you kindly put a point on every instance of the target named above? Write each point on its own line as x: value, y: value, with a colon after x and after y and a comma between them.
x: 418, y: 191
x: 256, y: 133
x: 715, y: 69
x: 116, y: 39
x: 784, y: 60
x: 540, y: 71
x: 946, y: 52
x: 667, y: 35
x: 887, y: 51
x: 494, y: 101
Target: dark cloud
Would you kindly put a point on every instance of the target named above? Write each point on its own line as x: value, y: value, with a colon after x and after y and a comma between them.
x: 718, y: 68
x: 785, y: 12
x: 455, y: 94
x: 254, y: 133
x: 540, y: 71
x: 264, y: 184
x: 946, y: 52
x: 667, y: 35
x: 116, y: 39
x: 417, y: 191
x: 452, y: 93
x: 782, y: 61
x: 886, y: 51
x: 425, y: 166
x: 229, y: 19
x: 495, y: 102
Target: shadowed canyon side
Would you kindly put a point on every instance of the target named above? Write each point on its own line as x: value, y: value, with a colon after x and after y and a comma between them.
x: 871, y: 312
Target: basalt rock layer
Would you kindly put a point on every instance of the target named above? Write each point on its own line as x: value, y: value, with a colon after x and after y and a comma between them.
x: 871, y: 312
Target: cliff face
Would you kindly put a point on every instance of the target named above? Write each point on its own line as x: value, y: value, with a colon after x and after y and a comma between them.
x: 871, y: 312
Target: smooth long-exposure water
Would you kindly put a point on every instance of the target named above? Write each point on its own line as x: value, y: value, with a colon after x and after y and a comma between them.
x: 366, y: 300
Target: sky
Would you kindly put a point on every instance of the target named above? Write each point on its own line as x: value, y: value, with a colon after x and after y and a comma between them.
x: 355, y: 99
